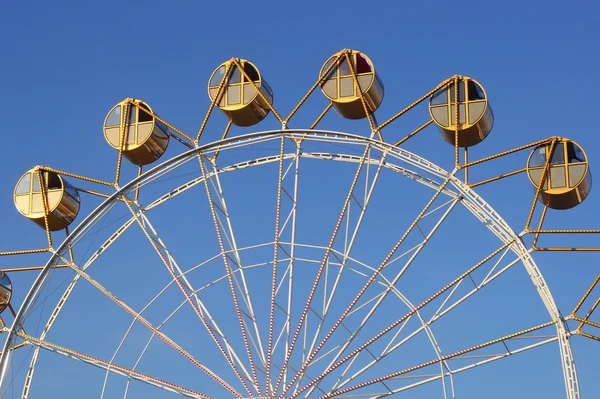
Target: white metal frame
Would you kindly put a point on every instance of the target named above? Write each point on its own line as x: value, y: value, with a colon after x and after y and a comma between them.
x: 420, y: 170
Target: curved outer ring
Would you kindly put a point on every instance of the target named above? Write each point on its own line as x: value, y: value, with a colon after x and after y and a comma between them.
x: 481, y: 209
x: 462, y: 125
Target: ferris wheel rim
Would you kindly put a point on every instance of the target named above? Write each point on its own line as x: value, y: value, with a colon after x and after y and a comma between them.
x: 517, y: 244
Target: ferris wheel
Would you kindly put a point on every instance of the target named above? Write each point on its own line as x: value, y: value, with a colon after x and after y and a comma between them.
x: 296, y: 262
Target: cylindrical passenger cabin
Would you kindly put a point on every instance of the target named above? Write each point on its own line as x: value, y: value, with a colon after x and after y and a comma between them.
x: 5, y: 291
x: 475, y: 115
x: 239, y: 99
x: 146, y: 138
x: 568, y: 180
x: 340, y: 88
x: 62, y: 199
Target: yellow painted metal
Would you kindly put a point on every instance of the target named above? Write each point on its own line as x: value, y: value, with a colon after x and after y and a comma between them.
x: 589, y: 313
x: 569, y: 180
x: 415, y: 103
x: 92, y: 192
x: 376, y: 125
x: 540, y: 185
x: 31, y: 340
x: 180, y: 140
x: 495, y: 178
x: 51, y: 202
x: 365, y: 99
x: 24, y: 252
x: 440, y: 359
x: 542, y: 218
x: 321, y: 116
x: 352, y: 62
x: 225, y: 133
x: 471, y: 121
x: 215, y: 96
x: 319, y: 81
x: 122, y: 134
x: 457, y: 123
x: 75, y: 176
x: 176, y: 278
x: 32, y: 268
x: 44, y: 195
x: 137, y: 189
x: 584, y: 321
x: 261, y: 93
x: 417, y: 130
x: 584, y: 334
x: 131, y: 128
x: 316, y: 122
x: 504, y: 153
x: 171, y: 129
x: 545, y: 168
x: 351, y: 84
x: 586, y: 295
x: 17, y: 346
x: 70, y: 246
x: 466, y: 158
x: 242, y: 94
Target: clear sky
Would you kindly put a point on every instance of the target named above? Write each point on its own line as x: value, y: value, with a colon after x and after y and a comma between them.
x: 64, y: 64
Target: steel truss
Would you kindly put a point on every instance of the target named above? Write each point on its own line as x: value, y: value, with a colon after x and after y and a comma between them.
x: 257, y: 361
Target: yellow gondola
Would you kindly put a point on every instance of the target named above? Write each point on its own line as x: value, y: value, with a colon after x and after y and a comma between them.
x: 340, y: 88
x: 568, y: 181
x: 476, y: 118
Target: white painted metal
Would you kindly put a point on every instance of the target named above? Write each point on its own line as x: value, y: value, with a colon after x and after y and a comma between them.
x: 417, y: 169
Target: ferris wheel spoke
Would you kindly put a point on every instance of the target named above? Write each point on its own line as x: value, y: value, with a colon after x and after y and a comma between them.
x: 322, y: 266
x: 401, y: 320
x: 65, y: 296
x: 173, y: 313
x: 184, y: 285
x: 485, y: 359
x: 111, y: 367
x: 349, y: 241
x: 233, y: 254
x: 312, y: 359
x: 230, y: 275
x: 145, y: 349
x: 389, y: 286
x: 375, y: 302
x: 478, y: 360
x: 425, y: 325
x: 444, y: 308
x: 391, y: 347
x: 288, y: 228
x: 280, y: 176
x: 177, y: 309
x: 128, y: 331
x: 150, y: 327
x: 292, y: 172
x: 458, y: 355
x: 377, y: 273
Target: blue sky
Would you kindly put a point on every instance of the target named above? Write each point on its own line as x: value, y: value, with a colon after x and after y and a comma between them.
x: 66, y: 64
